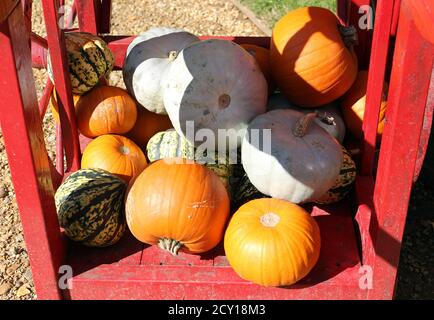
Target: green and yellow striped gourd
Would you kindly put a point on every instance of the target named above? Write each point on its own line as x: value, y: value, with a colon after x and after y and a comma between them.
x: 169, y: 144
x: 89, y: 60
x: 90, y: 207
x: 344, y: 182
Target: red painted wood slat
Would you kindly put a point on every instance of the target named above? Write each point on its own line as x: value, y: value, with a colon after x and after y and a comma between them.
x: 28, y: 159
x: 62, y: 82
x: 411, y: 74
x: 374, y: 89
x: 88, y: 13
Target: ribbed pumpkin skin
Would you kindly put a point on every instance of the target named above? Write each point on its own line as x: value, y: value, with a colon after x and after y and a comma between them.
x: 90, y: 207
x: 271, y: 252
x: 54, y: 107
x: 169, y: 144
x: 262, y: 57
x: 115, y: 154
x: 147, y: 124
x: 105, y: 110
x: 183, y: 201
x: 344, y: 182
x: 353, y: 105
x: 89, y: 60
x: 309, y: 60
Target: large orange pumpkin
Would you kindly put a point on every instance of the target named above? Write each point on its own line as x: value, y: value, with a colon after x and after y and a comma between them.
x: 105, y: 109
x: 272, y: 242
x: 147, y: 124
x: 262, y: 57
x: 115, y: 154
x: 353, y: 105
x: 178, y: 205
x: 310, y: 60
x: 54, y: 107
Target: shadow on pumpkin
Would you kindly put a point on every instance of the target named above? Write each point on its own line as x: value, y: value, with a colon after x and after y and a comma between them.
x: 327, y: 70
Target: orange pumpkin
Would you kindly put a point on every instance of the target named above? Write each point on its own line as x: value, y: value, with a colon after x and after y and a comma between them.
x: 54, y: 107
x: 262, y: 57
x: 178, y: 205
x: 115, y: 154
x: 353, y: 106
x: 147, y: 124
x: 104, y: 110
x: 272, y: 242
x: 310, y: 61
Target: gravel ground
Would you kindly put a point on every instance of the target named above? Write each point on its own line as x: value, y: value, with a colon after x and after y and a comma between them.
x: 212, y: 17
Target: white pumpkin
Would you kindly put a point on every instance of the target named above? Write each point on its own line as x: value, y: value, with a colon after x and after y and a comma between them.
x: 300, y: 161
x: 147, y: 60
x: 216, y: 84
x: 329, y: 117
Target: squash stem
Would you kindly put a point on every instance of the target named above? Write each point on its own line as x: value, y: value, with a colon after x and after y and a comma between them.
x: 325, y: 118
x: 170, y: 245
x: 349, y: 36
x: 302, y: 125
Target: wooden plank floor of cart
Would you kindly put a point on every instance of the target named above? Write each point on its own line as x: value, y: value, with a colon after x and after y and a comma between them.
x: 131, y: 270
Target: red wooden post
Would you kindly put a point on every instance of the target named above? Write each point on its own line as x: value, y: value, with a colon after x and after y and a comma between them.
x: 377, y: 68
x: 410, y: 79
x: 28, y: 160
x: 56, y: 44
x: 89, y: 15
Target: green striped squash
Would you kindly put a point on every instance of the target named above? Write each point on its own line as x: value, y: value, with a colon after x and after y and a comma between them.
x: 344, y: 182
x: 90, y: 207
x: 169, y: 144
x: 244, y: 191
x: 89, y: 60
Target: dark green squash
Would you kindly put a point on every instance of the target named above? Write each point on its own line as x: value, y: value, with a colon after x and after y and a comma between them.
x: 344, y: 182
x: 90, y: 207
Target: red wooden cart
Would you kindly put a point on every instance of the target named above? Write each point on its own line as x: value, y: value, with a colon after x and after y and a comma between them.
x: 361, y: 237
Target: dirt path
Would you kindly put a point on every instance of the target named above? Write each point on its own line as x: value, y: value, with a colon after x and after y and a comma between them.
x: 205, y: 17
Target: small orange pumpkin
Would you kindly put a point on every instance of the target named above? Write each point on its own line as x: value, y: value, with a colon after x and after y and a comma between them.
x: 272, y: 242
x: 54, y: 107
x: 105, y: 109
x: 312, y: 60
x: 115, y: 154
x: 178, y: 205
x: 262, y: 57
x: 147, y: 124
x: 353, y: 105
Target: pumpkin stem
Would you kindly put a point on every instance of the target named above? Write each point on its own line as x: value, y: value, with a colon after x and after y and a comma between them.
x: 172, y: 55
x: 170, y: 245
x: 349, y: 36
x: 303, y: 124
x: 269, y: 219
x: 124, y: 150
x: 325, y: 118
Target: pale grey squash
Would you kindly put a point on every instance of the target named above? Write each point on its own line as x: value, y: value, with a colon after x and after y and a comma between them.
x: 147, y: 60
x: 299, y: 163
x: 214, y: 85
